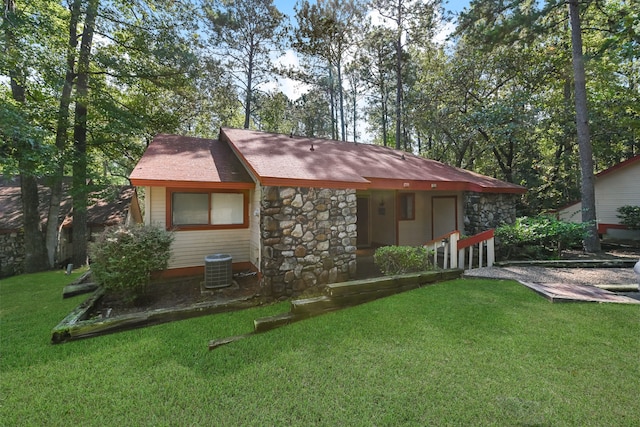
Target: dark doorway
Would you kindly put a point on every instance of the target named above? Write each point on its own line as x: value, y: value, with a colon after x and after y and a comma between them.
x: 364, y: 225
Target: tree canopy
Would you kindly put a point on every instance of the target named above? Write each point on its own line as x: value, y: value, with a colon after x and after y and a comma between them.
x: 86, y: 84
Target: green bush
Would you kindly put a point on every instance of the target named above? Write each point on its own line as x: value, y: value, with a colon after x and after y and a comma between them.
x: 539, y: 237
x: 122, y: 258
x: 402, y: 259
x: 630, y: 216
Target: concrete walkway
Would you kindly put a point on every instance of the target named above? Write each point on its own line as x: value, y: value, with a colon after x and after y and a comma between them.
x: 566, y: 284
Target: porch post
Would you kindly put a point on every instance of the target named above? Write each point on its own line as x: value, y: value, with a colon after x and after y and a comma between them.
x: 491, y: 253
x: 453, y: 241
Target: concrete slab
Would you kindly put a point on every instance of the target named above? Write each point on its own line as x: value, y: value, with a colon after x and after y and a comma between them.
x: 566, y: 284
x: 567, y: 292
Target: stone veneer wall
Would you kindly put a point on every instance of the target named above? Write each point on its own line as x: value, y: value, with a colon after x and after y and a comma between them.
x: 11, y: 253
x: 308, y: 238
x: 483, y: 211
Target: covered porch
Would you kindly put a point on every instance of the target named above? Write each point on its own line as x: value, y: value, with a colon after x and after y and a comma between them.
x: 403, y: 217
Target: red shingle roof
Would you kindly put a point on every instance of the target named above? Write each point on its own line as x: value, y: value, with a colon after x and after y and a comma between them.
x: 276, y: 159
x: 174, y: 160
x: 104, y: 209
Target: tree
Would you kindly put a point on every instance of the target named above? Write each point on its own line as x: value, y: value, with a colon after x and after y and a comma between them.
x: 521, y: 24
x: 591, y: 241
x: 137, y: 81
x: 22, y: 137
x: 274, y: 112
x: 411, y: 21
x: 61, y: 137
x: 312, y: 116
x: 328, y: 31
x: 375, y: 61
x: 80, y: 191
x: 247, y: 31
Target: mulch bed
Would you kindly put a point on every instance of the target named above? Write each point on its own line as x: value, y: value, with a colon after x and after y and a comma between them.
x: 177, y: 293
x: 185, y: 292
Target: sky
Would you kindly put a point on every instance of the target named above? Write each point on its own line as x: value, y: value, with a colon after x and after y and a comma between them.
x: 294, y: 89
x: 286, y: 6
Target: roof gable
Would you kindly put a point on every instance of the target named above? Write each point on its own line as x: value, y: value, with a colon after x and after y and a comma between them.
x: 633, y: 161
x: 174, y: 160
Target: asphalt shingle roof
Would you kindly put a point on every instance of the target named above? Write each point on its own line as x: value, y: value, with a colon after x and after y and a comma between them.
x: 276, y: 159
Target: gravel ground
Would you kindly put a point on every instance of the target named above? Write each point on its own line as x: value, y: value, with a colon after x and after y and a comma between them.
x: 584, y: 276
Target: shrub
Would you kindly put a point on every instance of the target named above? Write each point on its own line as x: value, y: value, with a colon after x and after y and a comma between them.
x: 124, y: 257
x: 402, y: 259
x: 538, y: 237
x: 630, y: 216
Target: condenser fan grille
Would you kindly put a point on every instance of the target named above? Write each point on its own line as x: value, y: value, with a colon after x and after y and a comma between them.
x: 217, y: 271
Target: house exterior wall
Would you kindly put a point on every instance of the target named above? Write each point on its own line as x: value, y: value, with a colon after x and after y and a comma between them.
x: 189, y: 248
x: 383, y: 218
x: 571, y: 213
x: 308, y: 238
x: 11, y: 253
x: 413, y: 232
x: 410, y: 232
x: 483, y: 211
x: 613, y: 190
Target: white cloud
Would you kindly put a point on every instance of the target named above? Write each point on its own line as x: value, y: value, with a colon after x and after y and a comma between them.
x: 445, y: 31
x: 292, y: 88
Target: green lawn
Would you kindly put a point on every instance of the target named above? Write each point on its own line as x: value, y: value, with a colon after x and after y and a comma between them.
x: 465, y: 352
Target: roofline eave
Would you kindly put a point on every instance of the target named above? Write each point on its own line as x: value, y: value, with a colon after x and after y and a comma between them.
x: 140, y: 182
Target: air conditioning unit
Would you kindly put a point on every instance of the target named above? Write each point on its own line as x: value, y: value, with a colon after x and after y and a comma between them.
x: 217, y: 271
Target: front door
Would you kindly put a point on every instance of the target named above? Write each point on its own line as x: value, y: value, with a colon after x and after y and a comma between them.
x: 364, y: 238
x: 445, y: 215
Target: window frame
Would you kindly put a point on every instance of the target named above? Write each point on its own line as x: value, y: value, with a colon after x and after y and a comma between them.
x: 403, y: 208
x: 209, y: 226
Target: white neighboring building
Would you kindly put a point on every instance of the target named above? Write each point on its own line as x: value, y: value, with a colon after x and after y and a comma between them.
x: 614, y: 187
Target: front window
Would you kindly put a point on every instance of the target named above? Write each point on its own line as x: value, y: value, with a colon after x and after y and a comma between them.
x: 198, y: 210
x: 407, y: 206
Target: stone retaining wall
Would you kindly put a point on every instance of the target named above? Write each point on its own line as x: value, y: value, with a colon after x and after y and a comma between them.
x: 483, y: 211
x: 308, y: 238
x: 11, y: 253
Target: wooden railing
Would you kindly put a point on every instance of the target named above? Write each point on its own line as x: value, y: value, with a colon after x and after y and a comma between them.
x: 485, y: 243
x: 449, y: 251
x: 448, y: 243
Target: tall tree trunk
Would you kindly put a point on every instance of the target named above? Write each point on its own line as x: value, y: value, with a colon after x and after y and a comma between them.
x: 247, y: 101
x: 341, y: 101
x: 591, y: 242
x: 334, y: 132
x: 355, y: 117
x: 62, y: 127
x: 35, y: 255
x: 80, y: 192
x: 399, y: 78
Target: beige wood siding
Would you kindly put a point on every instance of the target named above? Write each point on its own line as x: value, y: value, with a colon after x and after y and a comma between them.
x: 572, y: 213
x: 156, y: 206
x: 617, y: 189
x: 414, y: 232
x: 190, y: 247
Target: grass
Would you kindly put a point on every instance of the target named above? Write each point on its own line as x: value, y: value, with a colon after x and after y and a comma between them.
x: 465, y: 352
